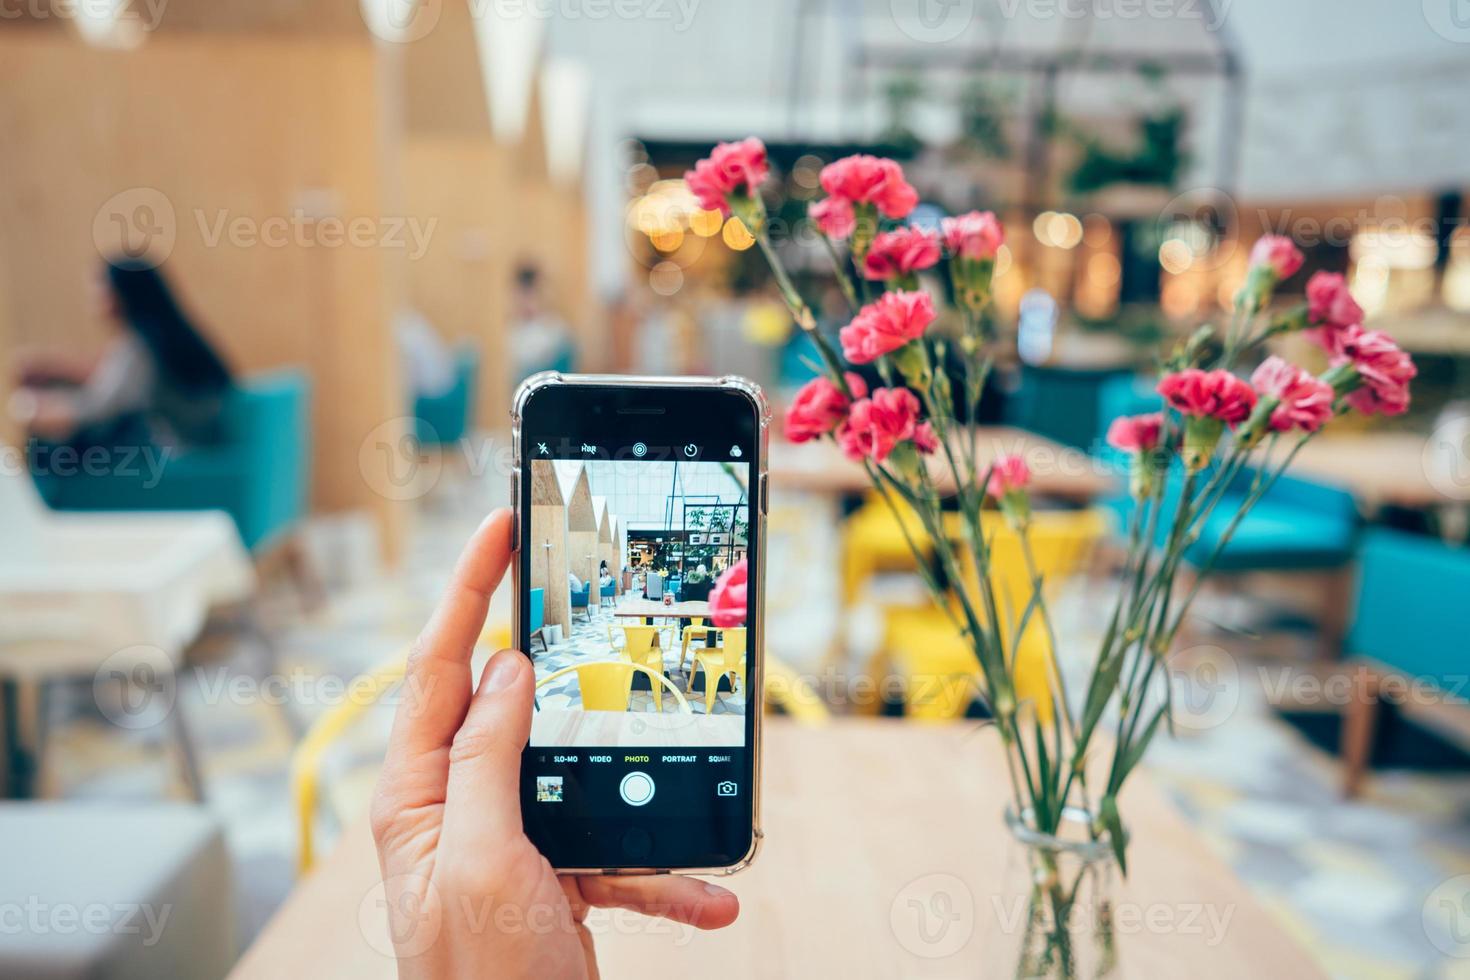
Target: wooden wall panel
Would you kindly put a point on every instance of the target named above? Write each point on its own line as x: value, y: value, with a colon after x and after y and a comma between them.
x: 548, y: 545
x: 249, y: 129
x: 462, y: 282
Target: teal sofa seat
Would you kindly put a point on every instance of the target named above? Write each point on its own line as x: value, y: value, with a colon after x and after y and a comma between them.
x: 258, y: 473
x: 443, y: 420
x: 1412, y: 614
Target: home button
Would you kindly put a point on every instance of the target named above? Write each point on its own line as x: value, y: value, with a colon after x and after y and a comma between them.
x: 636, y: 788
x: 637, y: 844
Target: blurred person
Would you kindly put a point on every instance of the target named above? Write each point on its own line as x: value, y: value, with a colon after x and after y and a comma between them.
x: 446, y: 816
x: 156, y: 381
x: 604, y: 579
x: 539, y: 339
x: 428, y: 365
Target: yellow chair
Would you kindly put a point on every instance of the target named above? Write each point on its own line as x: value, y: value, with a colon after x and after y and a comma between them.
x: 606, y: 684
x: 874, y: 541
x: 696, y: 628
x: 787, y: 690
x: 306, y: 761
x: 923, y: 644
x: 641, y: 646
x: 718, y: 661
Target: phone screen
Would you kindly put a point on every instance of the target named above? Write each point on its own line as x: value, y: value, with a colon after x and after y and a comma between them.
x: 635, y: 504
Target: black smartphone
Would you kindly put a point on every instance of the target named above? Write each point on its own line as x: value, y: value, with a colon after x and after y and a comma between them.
x: 640, y: 516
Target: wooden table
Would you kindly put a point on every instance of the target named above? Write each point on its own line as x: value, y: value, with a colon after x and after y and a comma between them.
x: 868, y: 823
x: 653, y: 609
x: 1056, y: 470
x: 1380, y: 468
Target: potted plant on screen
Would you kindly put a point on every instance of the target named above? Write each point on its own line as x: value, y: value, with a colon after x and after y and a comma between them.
x: 1069, y: 751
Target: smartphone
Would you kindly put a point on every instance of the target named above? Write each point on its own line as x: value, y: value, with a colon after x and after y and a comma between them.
x: 634, y: 498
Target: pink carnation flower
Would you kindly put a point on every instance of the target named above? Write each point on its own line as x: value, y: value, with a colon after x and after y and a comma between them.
x: 1136, y: 433
x: 1384, y: 368
x: 900, y: 252
x: 1330, y: 308
x: 876, y: 425
x: 1209, y: 394
x: 1009, y: 474
x: 1279, y: 253
x: 925, y: 441
x: 977, y: 235
x: 731, y: 168
x: 728, y: 598
x: 886, y: 325
x: 834, y: 216
x: 819, y: 407
x: 864, y: 179
x: 1305, y: 402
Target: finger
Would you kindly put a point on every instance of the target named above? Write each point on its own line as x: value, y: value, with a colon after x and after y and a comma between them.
x: 482, y: 803
x: 436, y: 686
x: 701, y: 904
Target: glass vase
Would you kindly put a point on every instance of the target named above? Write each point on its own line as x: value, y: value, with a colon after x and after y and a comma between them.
x: 1058, y: 901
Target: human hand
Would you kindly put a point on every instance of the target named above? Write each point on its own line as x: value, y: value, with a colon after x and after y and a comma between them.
x: 467, y: 892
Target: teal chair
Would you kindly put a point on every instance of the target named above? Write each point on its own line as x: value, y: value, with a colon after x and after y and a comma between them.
x: 444, y: 419
x: 1062, y: 403
x: 1411, y: 621
x: 536, y: 617
x: 1298, y: 526
x: 582, y: 600
x: 258, y: 473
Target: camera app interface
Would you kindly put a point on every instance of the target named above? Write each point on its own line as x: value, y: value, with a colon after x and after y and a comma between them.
x: 639, y: 629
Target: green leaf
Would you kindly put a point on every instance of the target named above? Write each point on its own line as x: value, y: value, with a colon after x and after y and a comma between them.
x: 1112, y: 822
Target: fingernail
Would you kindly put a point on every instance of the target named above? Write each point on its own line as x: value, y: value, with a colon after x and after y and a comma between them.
x: 503, y: 671
x: 716, y: 890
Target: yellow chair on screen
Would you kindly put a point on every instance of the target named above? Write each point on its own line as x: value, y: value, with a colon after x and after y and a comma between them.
x: 924, y: 645
x: 641, y: 646
x: 607, y: 684
x: 696, y: 628
x: 726, y: 659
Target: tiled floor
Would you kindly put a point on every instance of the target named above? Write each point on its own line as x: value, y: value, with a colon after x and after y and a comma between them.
x: 593, y: 640
x: 1362, y: 884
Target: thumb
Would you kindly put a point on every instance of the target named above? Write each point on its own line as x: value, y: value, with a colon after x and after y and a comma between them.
x: 482, y: 803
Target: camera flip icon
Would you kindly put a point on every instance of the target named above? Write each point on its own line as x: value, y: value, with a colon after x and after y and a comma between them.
x: 726, y: 787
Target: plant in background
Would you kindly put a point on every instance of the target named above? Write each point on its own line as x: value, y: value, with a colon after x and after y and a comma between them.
x: 906, y: 433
